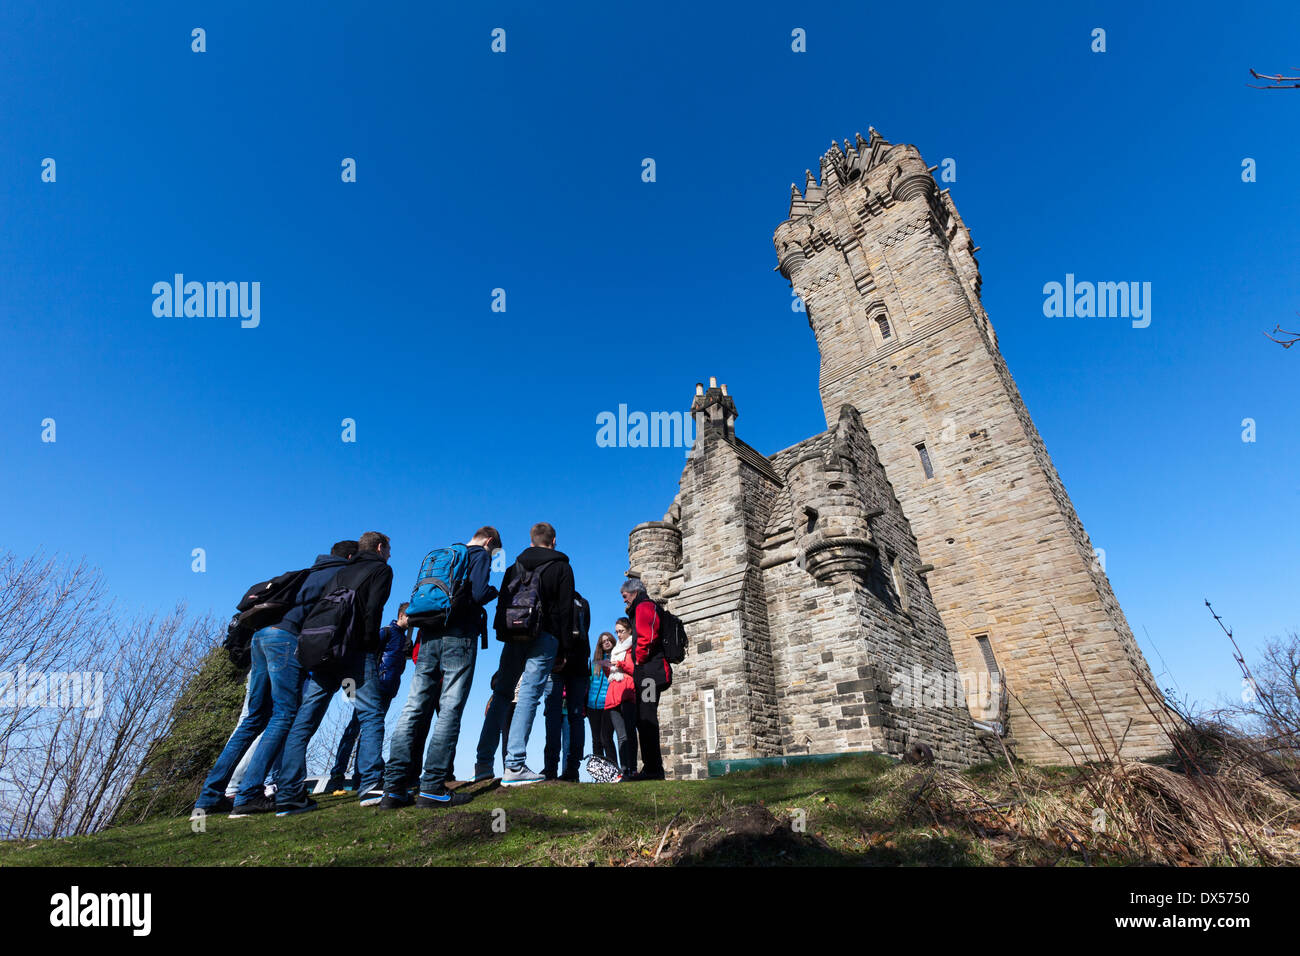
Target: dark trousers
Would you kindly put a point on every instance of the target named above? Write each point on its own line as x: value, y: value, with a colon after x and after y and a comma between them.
x: 647, y: 722
x: 558, y: 688
x: 602, y: 735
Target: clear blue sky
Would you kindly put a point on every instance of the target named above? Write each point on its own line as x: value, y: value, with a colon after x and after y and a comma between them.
x: 522, y: 171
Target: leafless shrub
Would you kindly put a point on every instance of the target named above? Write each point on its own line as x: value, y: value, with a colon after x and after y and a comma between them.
x: 89, y: 690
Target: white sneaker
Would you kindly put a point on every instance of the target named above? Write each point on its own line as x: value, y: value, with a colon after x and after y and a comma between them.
x: 520, y: 777
x: 371, y: 798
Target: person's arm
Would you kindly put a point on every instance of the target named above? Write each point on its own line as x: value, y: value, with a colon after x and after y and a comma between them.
x: 647, y: 629
x: 480, y: 567
x: 381, y: 586
x: 564, y: 604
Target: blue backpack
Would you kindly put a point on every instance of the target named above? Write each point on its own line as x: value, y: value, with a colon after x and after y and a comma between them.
x: 440, y: 588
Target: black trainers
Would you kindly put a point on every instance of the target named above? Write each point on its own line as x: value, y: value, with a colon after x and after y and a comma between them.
x: 394, y: 801
x: 335, y: 784
x: 305, y: 805
x: 645, y: 775
x: 442, y: 797
x: 259, y: 804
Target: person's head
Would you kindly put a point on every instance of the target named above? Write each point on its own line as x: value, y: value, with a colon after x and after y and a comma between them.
x: 344, y: 549
x: 542, y: 535
x: 376, y: 543
x: 632, y: 589
x: 604, y: 644
x: 624, y: 628
x: 487, y: 537
x: 402, y: 620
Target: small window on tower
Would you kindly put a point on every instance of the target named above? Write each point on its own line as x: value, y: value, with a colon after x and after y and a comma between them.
x: 884, y: 327
x: 986, y: 649
x: 925, y: 460
x: 710, y: 723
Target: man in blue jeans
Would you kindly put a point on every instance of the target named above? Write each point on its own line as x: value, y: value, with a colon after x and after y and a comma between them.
x: 274, y: 688
x: 370, y: 579
x: 533, y: 657
x: 443, y: 675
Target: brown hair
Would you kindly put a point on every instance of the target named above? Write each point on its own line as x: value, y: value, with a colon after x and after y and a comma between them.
x: 599, y: 653
x: 492, y: 534
x: 371, y: 540
x: 542, y: 535
x: 627, y: 624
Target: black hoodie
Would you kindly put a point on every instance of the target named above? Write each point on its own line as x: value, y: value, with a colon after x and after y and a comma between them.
x: 556, y: 591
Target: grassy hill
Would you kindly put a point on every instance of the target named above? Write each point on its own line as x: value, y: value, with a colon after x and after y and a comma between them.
x: 856, y: 810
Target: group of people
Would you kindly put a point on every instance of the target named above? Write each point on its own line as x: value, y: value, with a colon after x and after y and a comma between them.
x: 616, y: 688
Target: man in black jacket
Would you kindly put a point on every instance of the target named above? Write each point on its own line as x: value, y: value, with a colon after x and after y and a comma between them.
x: 532, y: 657
x: 566, y: 689
x: 370, y: 579
x: 274, y: 691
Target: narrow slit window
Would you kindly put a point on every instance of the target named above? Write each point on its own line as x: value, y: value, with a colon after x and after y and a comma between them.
x: 896, y: 568
x: 710, y: 723
x: 925, y: 460
x: 884, y: 327
x: 990, y: 661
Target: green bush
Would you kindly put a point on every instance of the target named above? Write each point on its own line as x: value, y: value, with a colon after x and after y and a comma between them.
x: 179, y: 761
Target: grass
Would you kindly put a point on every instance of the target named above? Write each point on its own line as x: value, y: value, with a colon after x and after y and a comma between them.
x: 860, y: 810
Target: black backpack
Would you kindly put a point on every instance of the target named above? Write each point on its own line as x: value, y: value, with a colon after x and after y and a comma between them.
x: 262, y: 605
x: 521, y: 605
x: 329, y: 634
x: 267, y: 602
x: 673, y: 635
x: 237, y: 643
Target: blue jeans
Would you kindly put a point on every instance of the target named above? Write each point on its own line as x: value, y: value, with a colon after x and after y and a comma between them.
x: 317, y: 691
x: 564, y: 690
x: 274, y: 685
x: 534, y: 660
x: 348, y: 740
x: 453, y: 654
x: 236, y: 781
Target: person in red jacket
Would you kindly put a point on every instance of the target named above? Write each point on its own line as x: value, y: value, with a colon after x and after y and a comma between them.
x: 620, y: 697
x: 652, y: 674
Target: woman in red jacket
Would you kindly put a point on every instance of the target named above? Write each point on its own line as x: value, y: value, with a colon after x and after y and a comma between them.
x: 620, y: 698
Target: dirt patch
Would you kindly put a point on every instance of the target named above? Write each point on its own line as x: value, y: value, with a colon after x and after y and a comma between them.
x: 477, y: 824
x: 741, y: 835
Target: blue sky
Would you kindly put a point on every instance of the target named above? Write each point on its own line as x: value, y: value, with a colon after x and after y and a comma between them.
x: 521, y: 171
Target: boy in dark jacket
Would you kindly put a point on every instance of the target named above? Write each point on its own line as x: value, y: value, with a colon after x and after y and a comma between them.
x: 535, y: 657
x: 370, y: 578
x: 394, y: 650
x: 443, y: 675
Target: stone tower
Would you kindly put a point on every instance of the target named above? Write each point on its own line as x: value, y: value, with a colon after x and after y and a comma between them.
x: 887, y: 272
